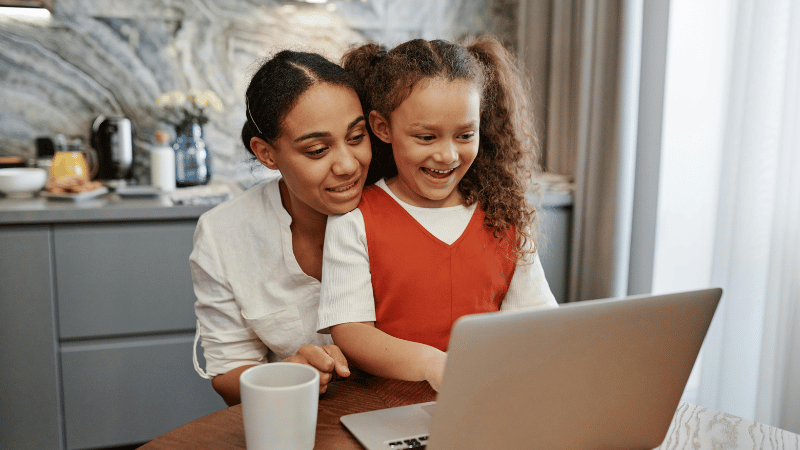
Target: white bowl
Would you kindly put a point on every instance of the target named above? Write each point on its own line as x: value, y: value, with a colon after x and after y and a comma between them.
x: 22, y: 182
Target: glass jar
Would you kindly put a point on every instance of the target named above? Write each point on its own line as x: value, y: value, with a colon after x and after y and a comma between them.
x: 192, y: 156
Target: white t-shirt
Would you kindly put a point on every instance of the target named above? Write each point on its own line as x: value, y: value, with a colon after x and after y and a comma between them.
x: 346, y: 283
x: 254, y: 302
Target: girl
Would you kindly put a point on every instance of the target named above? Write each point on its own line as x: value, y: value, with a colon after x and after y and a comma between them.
x: 257, y: 258
x: 447, y: 232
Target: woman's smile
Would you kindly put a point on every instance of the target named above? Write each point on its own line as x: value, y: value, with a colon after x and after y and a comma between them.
x: 343, y: 188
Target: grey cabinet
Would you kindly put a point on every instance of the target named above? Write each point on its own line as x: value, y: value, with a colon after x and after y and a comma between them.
x: 131, y: 390
x: 554, y: 240
x: 97, y: 326
x: 29, y: 385
x: 133, y: 276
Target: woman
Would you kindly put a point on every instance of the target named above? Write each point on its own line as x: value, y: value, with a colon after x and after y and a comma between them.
x: 257, y: 259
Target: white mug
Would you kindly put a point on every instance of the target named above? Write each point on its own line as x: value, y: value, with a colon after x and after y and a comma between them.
x: 279, y: 406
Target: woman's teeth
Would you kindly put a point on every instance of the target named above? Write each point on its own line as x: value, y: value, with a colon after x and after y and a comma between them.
x: 343, y: 188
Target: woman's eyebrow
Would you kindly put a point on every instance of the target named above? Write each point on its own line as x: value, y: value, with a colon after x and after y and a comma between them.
x: 317, y: 134
x: 356, y: 122
x: 312, y: 135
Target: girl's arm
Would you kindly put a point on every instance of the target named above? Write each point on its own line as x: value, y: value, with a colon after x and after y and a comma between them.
x: 347, y: 310
x: 387, y: 356
x: 529, y: 288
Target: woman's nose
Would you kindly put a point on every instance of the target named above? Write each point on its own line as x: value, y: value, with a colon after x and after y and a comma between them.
x: 345, y: 163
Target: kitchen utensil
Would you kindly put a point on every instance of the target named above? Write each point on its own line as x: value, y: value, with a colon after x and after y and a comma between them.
x: 112, y: 138
x: 11, y: 161
x: 75, y: 197
x: 22, y: 182
x: 162, y: 163
x: 73, y: 164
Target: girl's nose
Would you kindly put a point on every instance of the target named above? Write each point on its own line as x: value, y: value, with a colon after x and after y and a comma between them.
x: 345, y: 163
x: 447, y: 153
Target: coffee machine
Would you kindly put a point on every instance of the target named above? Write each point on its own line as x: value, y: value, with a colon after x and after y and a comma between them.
x: 112, y: 138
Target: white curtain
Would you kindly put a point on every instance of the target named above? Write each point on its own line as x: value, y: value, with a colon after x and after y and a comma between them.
x: 586, y: 61
x: 751, y: 360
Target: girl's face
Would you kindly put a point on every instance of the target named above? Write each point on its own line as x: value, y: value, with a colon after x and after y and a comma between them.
x: 434, y: 137
x: 323, y: 150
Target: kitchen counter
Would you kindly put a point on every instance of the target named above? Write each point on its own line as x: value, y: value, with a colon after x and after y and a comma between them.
x: 109, y: 207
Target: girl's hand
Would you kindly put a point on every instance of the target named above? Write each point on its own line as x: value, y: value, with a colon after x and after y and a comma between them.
x: 434, y: 368
x: 328, y: 360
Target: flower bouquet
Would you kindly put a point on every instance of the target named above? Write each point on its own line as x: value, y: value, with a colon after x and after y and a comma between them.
x: 181, y: 110
x: 187, y: 113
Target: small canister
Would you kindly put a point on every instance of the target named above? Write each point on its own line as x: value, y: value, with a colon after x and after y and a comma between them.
x: 162, y: 163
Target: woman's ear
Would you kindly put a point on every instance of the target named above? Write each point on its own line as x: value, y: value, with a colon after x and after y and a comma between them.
x: 264, y: 152
x: 380, y: 126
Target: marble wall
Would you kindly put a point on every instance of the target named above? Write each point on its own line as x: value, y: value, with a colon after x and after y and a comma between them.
x: 116, y: 57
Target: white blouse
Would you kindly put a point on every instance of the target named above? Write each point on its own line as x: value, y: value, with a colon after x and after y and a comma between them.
x: 254, y: 302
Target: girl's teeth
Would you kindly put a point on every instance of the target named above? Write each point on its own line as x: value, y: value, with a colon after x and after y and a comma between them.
x: 437, y: 172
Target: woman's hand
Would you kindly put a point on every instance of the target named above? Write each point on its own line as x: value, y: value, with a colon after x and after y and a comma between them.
x: 328, y: 360
x: 434, y: 368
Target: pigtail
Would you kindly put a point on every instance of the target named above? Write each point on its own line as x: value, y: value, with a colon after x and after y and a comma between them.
x: 509, y: 149
x: 366, y: 63
x: 360, y: 62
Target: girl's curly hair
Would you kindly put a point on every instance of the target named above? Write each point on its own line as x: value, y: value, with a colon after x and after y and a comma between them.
x: 508, y: 154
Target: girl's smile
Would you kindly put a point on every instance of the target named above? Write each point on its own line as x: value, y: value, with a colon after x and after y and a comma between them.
x: 434, y: 137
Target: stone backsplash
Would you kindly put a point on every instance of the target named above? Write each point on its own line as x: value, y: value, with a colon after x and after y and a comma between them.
x: 116, y: 57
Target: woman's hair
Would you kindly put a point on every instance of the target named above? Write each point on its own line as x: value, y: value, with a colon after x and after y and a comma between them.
x: 508, y: 153
x: 279, y: 82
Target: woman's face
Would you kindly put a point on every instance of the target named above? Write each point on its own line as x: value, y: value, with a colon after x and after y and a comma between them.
x: 323, y: 150
x: 434, y: 137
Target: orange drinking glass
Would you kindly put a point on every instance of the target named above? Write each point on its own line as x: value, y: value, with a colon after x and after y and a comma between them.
x: 72, y: 165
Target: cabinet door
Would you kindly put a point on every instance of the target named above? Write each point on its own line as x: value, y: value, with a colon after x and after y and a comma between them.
x: 554, y: 248
x: 117, y: 279
x: 29, y: 404
x: 128, y: 391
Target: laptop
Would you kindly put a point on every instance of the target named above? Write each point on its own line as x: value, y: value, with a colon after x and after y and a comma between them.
x: 599, y: 374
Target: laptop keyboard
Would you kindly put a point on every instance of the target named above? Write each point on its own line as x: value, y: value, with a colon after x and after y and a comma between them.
x: 419, y: 442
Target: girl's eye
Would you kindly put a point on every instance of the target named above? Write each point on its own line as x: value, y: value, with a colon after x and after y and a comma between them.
x: 317, y: 152
x: 467, y: 136
x: 356, y: 139
x: 425, y: 137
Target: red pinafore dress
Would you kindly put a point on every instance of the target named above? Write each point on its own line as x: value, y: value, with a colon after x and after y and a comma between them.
x: 421, y: 284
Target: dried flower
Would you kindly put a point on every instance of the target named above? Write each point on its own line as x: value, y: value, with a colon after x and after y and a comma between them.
x: 181, y: 110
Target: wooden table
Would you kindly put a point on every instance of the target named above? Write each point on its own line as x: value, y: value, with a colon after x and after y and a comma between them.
x: 358, y: 393
x: 692, y: 427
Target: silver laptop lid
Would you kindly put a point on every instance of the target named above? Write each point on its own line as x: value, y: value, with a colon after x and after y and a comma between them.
x: 602, y: 374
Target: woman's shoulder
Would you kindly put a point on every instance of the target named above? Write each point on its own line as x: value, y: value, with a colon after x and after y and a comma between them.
x: 248, y: 203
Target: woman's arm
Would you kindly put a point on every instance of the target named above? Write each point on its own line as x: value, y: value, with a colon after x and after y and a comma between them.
x: 227, y: 385
x: 328, y: 360
x: 387, y: 356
